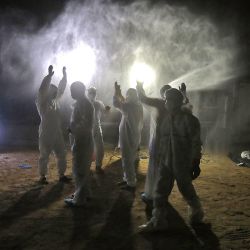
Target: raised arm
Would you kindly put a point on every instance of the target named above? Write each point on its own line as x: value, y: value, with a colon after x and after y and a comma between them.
x: 44, y: 88
x: 153, y: 102
x: 118, y: 99
x: 62, y: 84
x: 117, y: 102
x: 183, y: 90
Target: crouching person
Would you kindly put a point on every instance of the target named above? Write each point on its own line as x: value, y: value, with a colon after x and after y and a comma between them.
x: 81, y: 127
x: 179, y: 158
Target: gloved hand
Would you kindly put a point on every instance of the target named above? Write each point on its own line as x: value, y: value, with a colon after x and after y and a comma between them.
x: 139, y: 87
x: 117, y: 89
x: 50, y: 71
x: 64, y: 72
x: 183, y: 88
x: 195, y: 169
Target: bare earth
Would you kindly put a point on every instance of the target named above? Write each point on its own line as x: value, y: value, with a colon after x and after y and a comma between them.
x: 35, y: 217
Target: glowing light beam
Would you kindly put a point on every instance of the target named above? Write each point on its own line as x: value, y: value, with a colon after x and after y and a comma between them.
x: 141, y: 72
x: 80, y: 63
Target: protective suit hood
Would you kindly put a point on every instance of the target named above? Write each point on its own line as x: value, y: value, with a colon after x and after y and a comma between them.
x: 163, y: 90
x: 131, y: 96
x: 92, y: 94
x: 77, y: 90
x: 174, y: 100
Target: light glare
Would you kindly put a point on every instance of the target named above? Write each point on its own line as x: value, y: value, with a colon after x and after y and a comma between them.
x: 143, y: 73
x: 80, y: 63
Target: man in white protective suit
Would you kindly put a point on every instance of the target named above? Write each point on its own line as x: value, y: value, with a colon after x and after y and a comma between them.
x: 98, y: 138
x: 50, y: 130
x: 179, y: 159
x: 81, y: 127
x: 129, y: 133
x: 152, y: 173
x: 159, y: 104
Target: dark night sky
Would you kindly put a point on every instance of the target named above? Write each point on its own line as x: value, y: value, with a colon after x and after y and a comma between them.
x: 224, y: 13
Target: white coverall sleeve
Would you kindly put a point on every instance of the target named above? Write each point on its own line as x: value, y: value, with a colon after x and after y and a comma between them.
x: 61, y: 87
x: 119, y: 104
x: 43, y: 93
x: 153, y: 102
x: 45, y: 85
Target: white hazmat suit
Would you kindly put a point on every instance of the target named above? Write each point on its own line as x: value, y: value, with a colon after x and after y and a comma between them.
x: 178, y: 157
x: 50, y: 131
x: 129, y: 132
x: 152, y: 173
x: 81, y: 126
x: 98, y: 137
x: 153, y: 168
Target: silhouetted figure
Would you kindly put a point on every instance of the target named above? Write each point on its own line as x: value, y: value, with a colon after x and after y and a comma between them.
x: 159, y: 104
x: 50, y: 131
x: 129, y: 133
x: 178, y: 156
x: 98, y: 138
x: 81, y: 127
x: 152, y: 173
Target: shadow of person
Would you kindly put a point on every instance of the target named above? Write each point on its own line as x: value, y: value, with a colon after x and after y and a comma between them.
x: 85, y: 218
x: 117, y: 231
x: 148, y: 211
x: 206, y: 236
x: 106, y: 222
x: 81, y: 220
x: 117, y: 164
x: 31, y: 201
x: 178, y: 235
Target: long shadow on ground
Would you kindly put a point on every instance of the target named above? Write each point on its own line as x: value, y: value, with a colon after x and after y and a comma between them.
x: 117, y: 233
x: 31, y: 201
x: 84, y: 220
x: 181, y: 236
x: 106, y: 224
x: 206, y: 236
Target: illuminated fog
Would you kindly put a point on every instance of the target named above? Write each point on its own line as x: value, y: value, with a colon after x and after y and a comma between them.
x: 99, y: 43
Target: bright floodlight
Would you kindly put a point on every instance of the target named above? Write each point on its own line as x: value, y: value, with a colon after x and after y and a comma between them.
x: 143, y: 73
x: 80, y: 63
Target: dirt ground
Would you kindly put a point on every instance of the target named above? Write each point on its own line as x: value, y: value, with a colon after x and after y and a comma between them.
x: 35, y: 217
